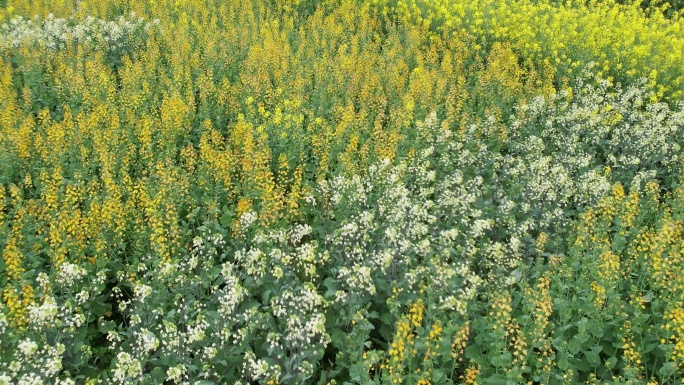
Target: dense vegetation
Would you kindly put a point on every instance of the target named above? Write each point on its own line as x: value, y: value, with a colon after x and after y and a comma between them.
x: 341, y: 192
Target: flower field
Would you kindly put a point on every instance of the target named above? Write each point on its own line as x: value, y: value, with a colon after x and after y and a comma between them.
x: 341, y: 192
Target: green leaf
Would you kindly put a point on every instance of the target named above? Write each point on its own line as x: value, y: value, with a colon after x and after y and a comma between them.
x: 323, y: 380
x: 582, y: 325
x: 503, y: 361
x: 437, y: 375
x: 106, y: 326
x: 158, y: 374
x: 650, y: 347
x: 668, y: 369
x: 338, y: 337
x: 580, y: 365
x: 574, y: 345
x: 473, y: 353
x: 355, y: 373
x: 618, y: 244
x: 386, y: 319
x: 582, y: 337
x: 331, y: 284
x: 496, y: 379
x: 593, y: 355
x: 558, y: 342
x: 100, y: 308
x: 78, y: 344
x: 169, y: 361
x: 226, y: 219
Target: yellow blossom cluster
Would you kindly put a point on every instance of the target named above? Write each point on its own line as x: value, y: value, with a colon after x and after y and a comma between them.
x: 635, y: 270
x: 541, y: 307
x: 500, y: 313
x: 403, y: 347
x: 620, y: 39
x: 631, y: 352
x: 675, y: 326
x: 18, y: 303
x: 471, y: 374
x: 460, y: 342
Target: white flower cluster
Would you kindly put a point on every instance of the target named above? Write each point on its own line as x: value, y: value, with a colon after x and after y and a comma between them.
x: 259, y: 369
x: 33, y: 362
x: 70, y: 273
x: 201, y: 316
x: 394, y: 225
x: 460, y: 211
x: 274, y: 252
x: 232, y: 294
x: 603, y: 125
x: 127, y: 368
x: 52, y: 322
x: 57, y: 33
x: 302, y: 311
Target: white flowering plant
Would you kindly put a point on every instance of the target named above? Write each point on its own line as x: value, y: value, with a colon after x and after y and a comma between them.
x: 116, y: 37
